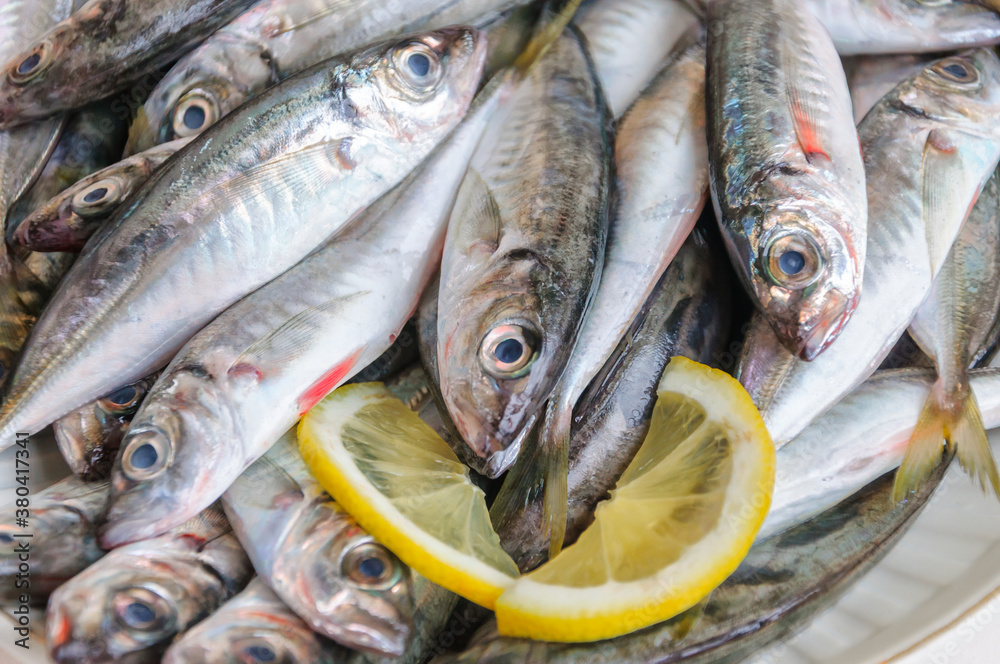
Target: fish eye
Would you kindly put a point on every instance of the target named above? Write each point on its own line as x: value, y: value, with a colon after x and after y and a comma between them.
x: 195, y: 112
x: 146, y: 456
x: 418, y: 66
x: 793, y: 260
x: 124, y: 400
x: 6, y: 538
x: 97, y: 198
x: 956, y: 70
x: 508, y: 351
x: 33, y: 64
x: 370, y: 565
x: 143, y: 610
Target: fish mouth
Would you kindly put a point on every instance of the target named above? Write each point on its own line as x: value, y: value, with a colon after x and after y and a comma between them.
x: 830, y: 322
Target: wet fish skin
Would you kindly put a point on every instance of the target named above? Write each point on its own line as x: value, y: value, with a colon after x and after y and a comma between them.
x: 64, y: 520
x: 108, y: 44
x: 314, y: 555
x: 523, y: 251
x: 930, y: 135
x: 89, y: 437
x: 127, y: 606
x: 872, y: 77
x: 67, y: 221
x: 788, y: 182
x: 272, y: 41
x: 256, y: 626
x: 687, y: 314
x: 357, y: 131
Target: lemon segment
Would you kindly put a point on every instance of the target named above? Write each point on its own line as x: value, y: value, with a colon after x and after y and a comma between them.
x: 402, y: 483
x: 681, y: 519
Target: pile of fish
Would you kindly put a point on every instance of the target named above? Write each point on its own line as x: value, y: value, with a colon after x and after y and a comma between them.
x: 218, y: 211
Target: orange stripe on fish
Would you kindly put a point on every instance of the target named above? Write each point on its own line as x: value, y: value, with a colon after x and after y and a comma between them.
x: 330, y: 380
x: 809, y: 139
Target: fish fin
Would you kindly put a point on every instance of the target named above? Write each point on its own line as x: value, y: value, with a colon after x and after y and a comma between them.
x: 287, y: 342
x: 940, y: 222
x: 207, y: 525
x: 138, y: 127
x: 924, y: 450
x: 478, y: 228
x: 967, y: 433
x: 543, y: 40
x: 554, y: 464
x: 331, y: 8
x: 807, y: 108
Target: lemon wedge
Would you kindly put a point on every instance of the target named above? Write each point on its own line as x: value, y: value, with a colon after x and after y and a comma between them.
x: 403, y: 484
x: 679, y: 522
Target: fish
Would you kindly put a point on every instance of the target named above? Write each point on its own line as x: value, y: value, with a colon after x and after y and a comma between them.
x: 781, y: 585
x: 630, y: 42
x: 89, y: 437
x: 788, y: 182
x: 930, y: 147
x: 859, y: 440
x: 400, y: 355
x: 953, y: 326
x: 254, y: 627
x: 63, y: 537
x: 128, y: 605
x: 272, y: 41
x: 67, y: 221
x: 508, y: 35
x: 318, y: 560
x: 255, y: 370
x: 872, y: 77
x: 295, y: 165
x: 688, y: 314
x: 661, y: 171
x: 102, y: 48
x: 523, y: 253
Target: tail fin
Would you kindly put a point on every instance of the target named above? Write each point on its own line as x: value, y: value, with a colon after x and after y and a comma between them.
x: 545, y: 38
x: 554, y: 464
x: 972, y: 447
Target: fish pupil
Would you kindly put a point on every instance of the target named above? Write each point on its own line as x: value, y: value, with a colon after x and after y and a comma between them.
x: 957, y: 70
x: 260, y: 653
x: 144, y: 456
x: 791, y: 262
x: 194, y: 117
x: 373, y: 568
x: 123, y: 396
x: 138, y: 614
x: 29, y: 64
x: 419, y: 64
x: 4, y: 537
x: 95, y: 195
x: 509, y: 351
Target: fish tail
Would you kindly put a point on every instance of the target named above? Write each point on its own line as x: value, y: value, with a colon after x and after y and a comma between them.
x: 554, y: 463
x: 967, y: 433
x: 924, y: 450
x: 545, y: 38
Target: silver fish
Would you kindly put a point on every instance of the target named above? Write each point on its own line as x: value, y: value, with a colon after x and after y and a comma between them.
x: 66, y: 221
x: 872, y: 77
x: 330, y: 571
x: 661, y: 165
x: 63, y: 540
x: 127, y: 606
x: 272, y: 41
x: 930, y: 146
x: 523, y: 254
x: 630, y: 41
x: 953, y: 327
x: 788, y: 182
x: 255, y: 627
x: 294, y: 165
x: 256, y: 369
x: 103, y: 47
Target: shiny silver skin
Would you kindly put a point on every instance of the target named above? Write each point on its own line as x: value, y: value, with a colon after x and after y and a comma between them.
x: 89, y: 437
x: 255, y: 627
x: 859, y: 440
x: 630, y: 41
x: 294, y: 165
x: 905, y: 26
x: 661, y: 169
x: 788, y: 182
x: 872, y: 77
x: 105, y: 46
x: 523, y: 253
x: 66, y: 221
x: 688, y: 314
x: 929, y: 149
x: 257, y: 368
x: 63, y: 526
x: 318, y: 560
x: 127, y: 606
x: 272, y: 41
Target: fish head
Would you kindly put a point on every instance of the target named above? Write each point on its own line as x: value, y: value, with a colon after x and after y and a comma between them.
x: 25, y: 78
x: 961, y: 91
x: 421, y: 85
x: 181, y: 452
x: 352, y: 588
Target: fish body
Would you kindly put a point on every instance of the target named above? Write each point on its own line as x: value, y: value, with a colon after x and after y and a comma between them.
x: 930, y: 147
x: 63, y: 541
x: 103, y: 47
x: 67, y: 220
x: 127, y: 606
x: 272, y: 41
x: 523, y: 253
x: 872, y: 77
x: 788, y: 182
x: 331, y: 573
x: 235, y: 208
x: 630, y: 41
x: 687, y: 314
